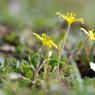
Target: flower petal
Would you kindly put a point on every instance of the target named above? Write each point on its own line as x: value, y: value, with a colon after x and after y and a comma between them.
x: 59, y: 14
x: 53, y: 44
x: 39, y: 37
x: 79, y: 20
x: 84, y: 31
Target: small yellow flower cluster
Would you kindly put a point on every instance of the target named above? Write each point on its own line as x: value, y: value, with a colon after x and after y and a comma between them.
x: 71, y: 18
x: 46, y: 40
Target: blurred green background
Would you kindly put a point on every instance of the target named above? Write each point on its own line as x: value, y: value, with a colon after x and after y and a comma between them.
x: 33, y: 13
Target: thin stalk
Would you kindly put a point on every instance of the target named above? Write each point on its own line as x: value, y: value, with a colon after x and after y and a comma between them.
x: 38, y: 64
x: 62, y: 44
x: 40, y: 67
x: 39, y: 57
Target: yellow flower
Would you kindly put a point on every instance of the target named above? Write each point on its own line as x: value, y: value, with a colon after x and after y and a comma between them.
x: 46, y: 40
x: 90, y: 33
x: 70, y: 18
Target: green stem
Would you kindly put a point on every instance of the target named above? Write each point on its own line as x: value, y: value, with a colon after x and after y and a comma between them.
x: 36, y: 71
x: 39, y: 57
x: 62, y: 44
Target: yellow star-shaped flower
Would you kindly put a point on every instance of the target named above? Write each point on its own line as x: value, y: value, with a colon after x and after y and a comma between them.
x: 46, y: 40
x: 70, y: 18
x: 90, y: 33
